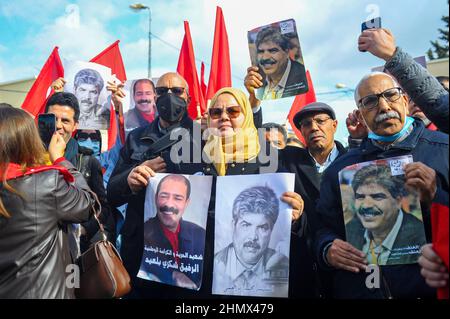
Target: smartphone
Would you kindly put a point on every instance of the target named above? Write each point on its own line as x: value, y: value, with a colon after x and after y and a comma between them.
x: 371, y: 24
x: 47, y: 127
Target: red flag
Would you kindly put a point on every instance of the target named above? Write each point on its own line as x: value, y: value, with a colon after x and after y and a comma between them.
x: 112, y: 58
x: 37, y: 96
x: 187, y: 69
x: 202, y: 80
x: 220, y: 73
x: 440, y: 238
x: 301, y: 101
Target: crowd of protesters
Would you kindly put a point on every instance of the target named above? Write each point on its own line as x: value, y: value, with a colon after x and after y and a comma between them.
x: 48, y: 197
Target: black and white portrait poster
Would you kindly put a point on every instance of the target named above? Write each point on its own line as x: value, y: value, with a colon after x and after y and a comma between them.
x: 175, y: 214
x: 88, y: 82
x: 275, y: 50
x: 252, y: 235
x: 383, y: 218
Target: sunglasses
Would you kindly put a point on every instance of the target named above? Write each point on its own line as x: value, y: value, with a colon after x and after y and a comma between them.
x: 232, y: 111
x: 85, y: 136
x: 164, y: 90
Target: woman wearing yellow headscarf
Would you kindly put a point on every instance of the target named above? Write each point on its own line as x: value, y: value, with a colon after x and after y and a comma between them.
x: 233, y: 148
x: 233, y: 145
x: 232, y: 135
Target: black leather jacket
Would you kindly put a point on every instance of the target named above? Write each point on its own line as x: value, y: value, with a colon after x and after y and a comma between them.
x: 34, y: 252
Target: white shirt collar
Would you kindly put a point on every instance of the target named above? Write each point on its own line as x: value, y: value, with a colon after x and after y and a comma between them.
x: 330, y: 158
x: 277, y: 91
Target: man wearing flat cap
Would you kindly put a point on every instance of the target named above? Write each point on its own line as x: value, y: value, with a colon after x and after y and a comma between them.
x: 317, y: 123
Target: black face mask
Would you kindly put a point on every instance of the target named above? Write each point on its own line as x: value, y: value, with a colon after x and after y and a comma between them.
x: 171, y: 107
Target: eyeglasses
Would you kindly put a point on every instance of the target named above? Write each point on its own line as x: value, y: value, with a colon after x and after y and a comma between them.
x: 371, y: 101
x: 164, y: 90
x: 85, y: 136
x: 319, y: 121
x: 232, y: 111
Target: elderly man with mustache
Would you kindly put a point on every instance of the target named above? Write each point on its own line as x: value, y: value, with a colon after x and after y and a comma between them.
x: 383, y: 109
x: 317, y: 123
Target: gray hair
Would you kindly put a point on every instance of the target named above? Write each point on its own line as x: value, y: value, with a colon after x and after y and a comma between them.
x: 89, y: 76
x: 256, y: 200
x: 367, y: 77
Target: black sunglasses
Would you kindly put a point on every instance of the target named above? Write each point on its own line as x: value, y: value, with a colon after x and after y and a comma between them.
x: 161, y: 90
x: 85, y: 136
x: 232, y: 111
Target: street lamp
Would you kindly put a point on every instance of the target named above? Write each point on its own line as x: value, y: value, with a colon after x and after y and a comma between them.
x: 137, y: 7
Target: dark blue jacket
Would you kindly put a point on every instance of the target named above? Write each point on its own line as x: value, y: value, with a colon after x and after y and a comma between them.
x: 402, y: 281
x: 191, y: 241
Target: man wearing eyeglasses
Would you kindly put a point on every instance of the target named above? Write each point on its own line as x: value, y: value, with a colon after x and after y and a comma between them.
x: 383, y: 108
x: 317, y: 123
x: 136, y: 165
x: 424, y: 89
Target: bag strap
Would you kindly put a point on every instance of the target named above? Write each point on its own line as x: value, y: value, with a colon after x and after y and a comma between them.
x: 96, y: 207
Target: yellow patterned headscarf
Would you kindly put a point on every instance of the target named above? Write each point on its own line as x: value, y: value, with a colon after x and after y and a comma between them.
x: 242, y: 146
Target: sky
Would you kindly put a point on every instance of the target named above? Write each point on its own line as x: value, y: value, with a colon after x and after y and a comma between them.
x: 328, y: 32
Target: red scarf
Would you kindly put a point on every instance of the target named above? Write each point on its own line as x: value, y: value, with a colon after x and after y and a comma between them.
x: 148, y: 117
x: 172, y: 237
x: 15, y: 170
x: 432, y: 127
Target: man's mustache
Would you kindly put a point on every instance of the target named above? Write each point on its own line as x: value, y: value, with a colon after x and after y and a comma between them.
x: 166, y: 209
x: 386, y: 116
x: 369, y: 212
x: 252, y: 244
x: 144, y: 101
x: 267, y: 61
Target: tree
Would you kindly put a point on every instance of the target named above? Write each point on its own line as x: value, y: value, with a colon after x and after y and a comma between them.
x: 441, y: 50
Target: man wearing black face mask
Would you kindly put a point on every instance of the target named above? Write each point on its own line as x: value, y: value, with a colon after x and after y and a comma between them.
x: 136, y: 165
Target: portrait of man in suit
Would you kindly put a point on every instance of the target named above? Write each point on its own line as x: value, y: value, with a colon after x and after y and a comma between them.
x: 381, y: 227
x: 282, y: 76
x: 248, y: 266
x: 173, y: 247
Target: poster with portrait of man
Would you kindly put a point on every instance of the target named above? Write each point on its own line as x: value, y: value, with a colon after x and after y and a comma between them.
x: 175, y: 214
x: 88, y: 82
x: 139, y: 105
x: 383, y: 218
x: 252, y: 235
x: 275, y: 50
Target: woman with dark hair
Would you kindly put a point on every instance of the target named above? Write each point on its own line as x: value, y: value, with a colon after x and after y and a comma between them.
x: 37, y: 201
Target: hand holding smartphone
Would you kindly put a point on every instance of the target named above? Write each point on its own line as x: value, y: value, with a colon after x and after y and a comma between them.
x: 47, y: 127
x: 371, y: 24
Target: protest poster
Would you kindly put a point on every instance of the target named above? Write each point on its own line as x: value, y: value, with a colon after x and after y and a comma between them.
x: 175, y: 214
x: 139, y: 107
x: 252, y: 235
x: 275, y: 50
x: 382, y: 217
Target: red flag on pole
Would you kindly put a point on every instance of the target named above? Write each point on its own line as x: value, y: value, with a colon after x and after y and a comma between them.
x: 187, y: 69
x: 301, y: 101
x: 37, y: 96
x: 202, y: 81
x: 111, y: 58
x: 220, y: 73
